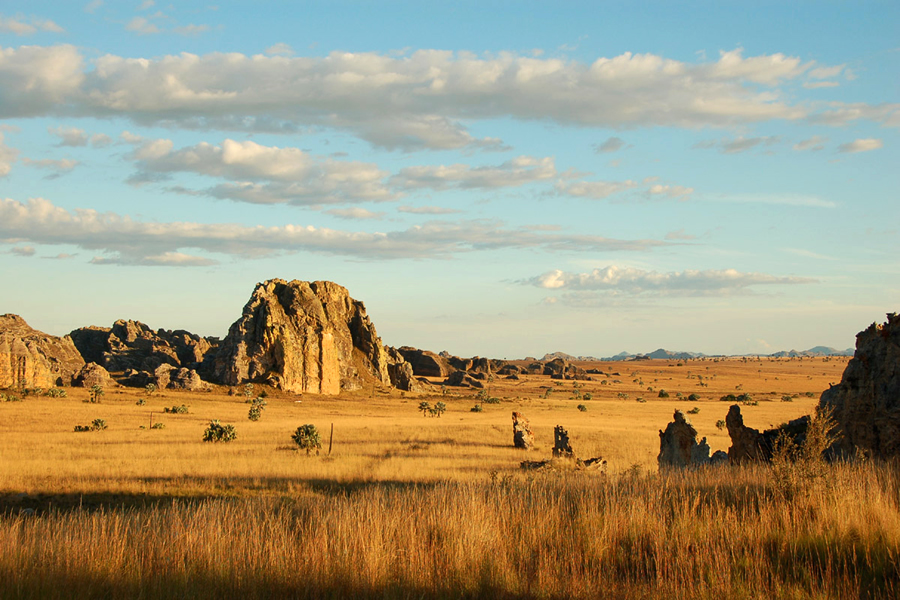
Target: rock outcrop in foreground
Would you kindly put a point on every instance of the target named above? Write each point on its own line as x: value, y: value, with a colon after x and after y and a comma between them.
x: 307, y: 337
x: 30, y: 358
x: 750, y: 445
x: 678, y: 446
x: 866, y: 403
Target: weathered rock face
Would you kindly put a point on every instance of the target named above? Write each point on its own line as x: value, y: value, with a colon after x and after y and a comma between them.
x: 522, y: 435
x: 303, y: 337
x: 167, y: 376
x: 30, y: 358
x: 401, y: 373
x: 678, y: 445
x: 866, y: 403
x: 92, y: 374
x: 463, y: 379
x: 752, y: 445
x: 561, y: 446
x: 133, y: 345
x: 425, y: 363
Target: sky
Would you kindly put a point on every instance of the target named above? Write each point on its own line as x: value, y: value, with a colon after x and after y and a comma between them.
x: 500, y: 179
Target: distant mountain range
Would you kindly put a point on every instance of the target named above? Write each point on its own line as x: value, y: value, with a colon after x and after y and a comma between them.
x: 662, y: 353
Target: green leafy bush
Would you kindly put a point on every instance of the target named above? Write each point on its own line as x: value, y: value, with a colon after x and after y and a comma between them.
x: 720, y: 423
x: 95, y: 392
x: 694, y: 411
x: 10, y: 398
x: 56, y: 393
x: 177, y: 410
x: 158, y: 426
x: 694, y: 397
x: 663, y: 394
x: 582, y: 408
x: 424, y: 407
x: 588, y: 396
x: 141, y: 402
x: 96, y: 425
x: 307, y: 438
x: 255, y: 413
x: 440, y: 408
x: 476, y: 408
x: 217, y: 432
x: 787, y: 398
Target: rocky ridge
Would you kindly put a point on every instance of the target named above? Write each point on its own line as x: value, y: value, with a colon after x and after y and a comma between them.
x: 30, y: 358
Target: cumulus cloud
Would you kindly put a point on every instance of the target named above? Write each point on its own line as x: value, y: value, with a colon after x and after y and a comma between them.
x: 670, y: 191
x: 264, y: 174
x: 128, y: 241
x: 813, y: 144
x: 738, y: 144
x: 610, y: 145
x: 596, y: 190
x: 633, y: 282
x: 862, y: 145
x: 74, y: 137
x: 427, y: 210
x: 410, y: 101
x: 7, y: 157
x: 355, y: 213
x: 27, y: 26
x: 142, y: 26
x: 22, y: 251
x: 887, y: 114
x: 59, y: 167
x: 513, y: 173
x: 280, y: 49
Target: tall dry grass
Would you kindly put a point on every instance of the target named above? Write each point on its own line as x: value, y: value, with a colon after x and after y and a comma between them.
x: 719, y: 533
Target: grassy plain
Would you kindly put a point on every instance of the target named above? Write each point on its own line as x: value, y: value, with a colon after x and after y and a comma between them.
x: 414, y: 506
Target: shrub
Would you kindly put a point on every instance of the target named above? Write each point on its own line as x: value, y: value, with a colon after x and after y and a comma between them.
x: 307, y: 438
x: 216, y: 432
x: 694, y: 397
x: 424, y: 407
x: 794, y: 466
x: 80, y: 428
x: 440, y: 408
x: 177, y: 410
x: 158, y: 426
x: 141, y: 402
x: 150, y: 388
x: 720, y: 423
x: 255, y: 413
x: 694, y: 411
x: 10, y: 398
x: 492, y: 400
x: 663, y: 394
x: 95, y: 392
x: 476, y: 408
x: 728, y: 398
x: 787, y: 398
x: 248, y: 391
x: 588, y: 396
x: 640, y: 399
x: 582, y: 408
x: 96, y: 425
x: 56, y: 393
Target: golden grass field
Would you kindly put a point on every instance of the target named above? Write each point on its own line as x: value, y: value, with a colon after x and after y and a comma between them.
x: 414, y: 506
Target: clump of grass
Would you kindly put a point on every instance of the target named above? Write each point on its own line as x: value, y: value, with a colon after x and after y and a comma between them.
x: 96, y: 425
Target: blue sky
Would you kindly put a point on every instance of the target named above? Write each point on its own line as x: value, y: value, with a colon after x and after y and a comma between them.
x: 503, y: 179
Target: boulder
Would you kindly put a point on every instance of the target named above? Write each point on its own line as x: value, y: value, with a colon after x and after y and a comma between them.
x: 30, y: 358
x: 751, y: 445
x: 133, y: 345
x: 92, y: 374
x: 303, y: 337
x: 480, y: 365
x: 463, y: 379
x: 561, y: 446
x: 522, y: 435
x: 425, y: 363
x: 557, y: 366
x: 509, y: 369
x: 678, y: 445
x: 400, y: 372
x: 866, y: 403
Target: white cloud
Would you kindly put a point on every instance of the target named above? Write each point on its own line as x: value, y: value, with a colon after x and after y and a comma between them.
x: 671, y: 191
x: 131, y: 138
x: 142, y: 26
x: 69, y: 136
x: 100, y: 140
x: 59, y: 167
x: 813, y: 144
x: 610, y: 145
x: 887, y: 114
x: 265, y: 174
x: 22, y: 251
x: 128, y: 241
x: 427, y: 210
x: 280, y: 49
x: 820, y: 85
x: 146, y: 4
x: 355, y: 213
x: 92, y: 6
x: 862, y: 145
x: 27, y: 26
x: 802, y: 200
x: 738, y: 144
x: 596, y: 190
x: 826, y: 72
x: 631, y: 281
x: 418, y: 100
x: 512, y: 173
x: 7, y: 157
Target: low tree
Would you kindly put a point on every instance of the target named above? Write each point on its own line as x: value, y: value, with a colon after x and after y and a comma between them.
x: 424, y: 407
x: 307, y: 438
x: 440, y: 408
x: 217, y: 432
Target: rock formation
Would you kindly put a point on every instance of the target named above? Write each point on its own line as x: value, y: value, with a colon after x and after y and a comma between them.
x: 304, y: 337
x: 752, y: 445
x: 425, y: 363
x: 522, y: 435
x: 678, y: 445
x: 167, y: 376
x: 561, y: 446
x: 90, y: 375
x: 462, y: 378
x: 30, y: 358
x: 866, y: 403
x: 133, y: 345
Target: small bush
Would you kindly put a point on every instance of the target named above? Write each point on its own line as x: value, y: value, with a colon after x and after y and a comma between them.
x: 720, y: 423
x: 728, y: 398
x: 588, y: 396
x: 158, y: 426
x: 640, y: 399
x: 177, y: 410
x: 694, y: 397
x: 216, y: 432
x: 582, y: 408
x: 95, y: 392
x: 424, y: 407
x: 81, y: 428
x: 440, y: 408
x: 10, y: 398
x: 307, y: 438
x: 492, y: 400
x: 476, y: 408
x: 255, y: 413
x: 663, y: 394
x: 150, y: 388
x: 56, y: 393
x: 787, y: 398
x: 96, y: 425
x: 694, y: 411
x: 141, y: 402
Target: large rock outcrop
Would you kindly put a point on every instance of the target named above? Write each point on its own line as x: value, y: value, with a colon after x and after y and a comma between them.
x: 522, y: 435
x: 679, y: 448
x: 425, y: 363
x: 751, y: 445
x: 133, y: 345
x: 30, y: 358
x: 866, y: 403
x: 305, y: 337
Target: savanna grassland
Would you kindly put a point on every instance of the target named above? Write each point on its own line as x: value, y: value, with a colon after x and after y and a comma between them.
x: 409, y: 505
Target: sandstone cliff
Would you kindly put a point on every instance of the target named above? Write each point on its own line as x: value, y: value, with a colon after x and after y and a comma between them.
x: 866, y: 403
x: 29, y: 358
x: 306, y: 337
